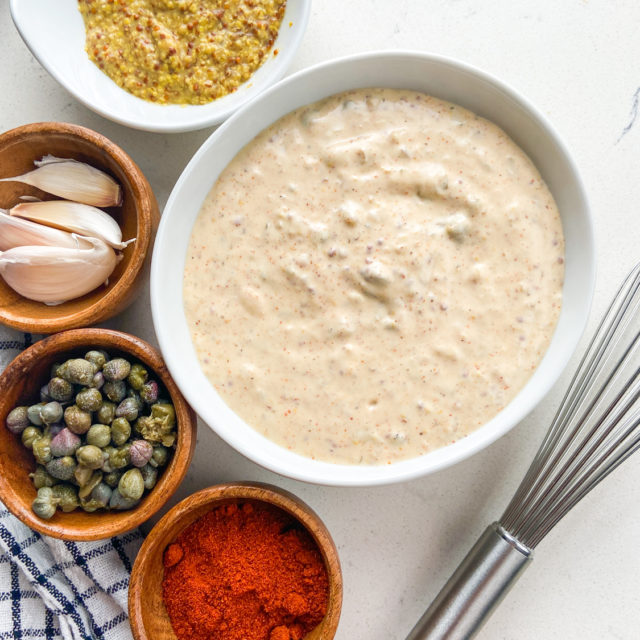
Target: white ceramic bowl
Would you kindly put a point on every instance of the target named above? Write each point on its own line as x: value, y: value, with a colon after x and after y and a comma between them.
x: 445, y: 79
x: 54, y: 32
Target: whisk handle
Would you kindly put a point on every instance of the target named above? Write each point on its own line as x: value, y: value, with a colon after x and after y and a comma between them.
x: 475, y: 589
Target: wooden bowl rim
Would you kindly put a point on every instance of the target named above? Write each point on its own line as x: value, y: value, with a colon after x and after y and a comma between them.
x: 237, y: 491
x: 172, y: 475
x: 145, y: 205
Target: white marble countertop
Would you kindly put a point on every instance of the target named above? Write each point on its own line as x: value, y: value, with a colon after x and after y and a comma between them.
x: 576, y: 60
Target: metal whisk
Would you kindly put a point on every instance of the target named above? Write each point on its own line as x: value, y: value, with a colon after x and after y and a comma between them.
x: 594, y: 431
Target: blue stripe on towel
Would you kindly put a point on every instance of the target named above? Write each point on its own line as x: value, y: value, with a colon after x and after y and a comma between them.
x: 15, y: 603
x: 49, y: 629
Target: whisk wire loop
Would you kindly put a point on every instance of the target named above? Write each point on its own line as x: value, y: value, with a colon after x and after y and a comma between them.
x: 598, y: 474
x: 570, y: 463
x: 595, y: 428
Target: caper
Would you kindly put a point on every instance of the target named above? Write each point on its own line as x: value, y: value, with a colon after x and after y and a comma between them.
x: 89, y: 456
x: 109, y: 449
x: 44, y: 393
x: 54, y: 429
x: 96, y: 357
x: 41, y: 448
x: 54, y: 369
x: 113, y: 477
x: 66, y: 495
x: 116, y: 369
x: 82, y: 475
x: 78, y: 371
x: 149, y: 476
x: 62, y: 468
x: 44, y: 505
x: 33, y: 412
x: 149, y: 392
x: 131, y: 485
x: 164, y: 412
x: 106, y: 413
x: 98, y: 380
x: 158, y: 427
x: 30, y: 435
x: 169, y: 439
x: 115, y: 390
x: 119, y: 502
x: 106, y: 465
x: 18, y: 420
x: 76, y: 419
x: 41, y: 478
x: 120, y: 457
x: 64, y: 443
x: 60, y: 389
x: 137, y: 376
x: 120, y: 431
x: 99, y: 435
x: 90, y: 505
x: 89, y: 486
x: 135, y: 396
x: 128, y: 409
x: 51, y: 412
x: 89, y: 399
x: 102, y: 493
x: 141, y: 452
x: 159, y: 456
x: 146, y: 427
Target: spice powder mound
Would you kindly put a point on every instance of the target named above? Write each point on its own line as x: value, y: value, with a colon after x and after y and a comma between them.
x: 180, y: 51
x: 244, y: 572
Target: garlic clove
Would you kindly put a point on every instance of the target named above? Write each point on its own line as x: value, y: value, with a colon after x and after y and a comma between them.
x: 16, y: 232
x: 73, y: 216
x: 54, y: 275
x: 72, y: 180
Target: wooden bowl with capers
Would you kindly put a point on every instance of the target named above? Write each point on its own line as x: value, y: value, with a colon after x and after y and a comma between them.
x: 95, y: 436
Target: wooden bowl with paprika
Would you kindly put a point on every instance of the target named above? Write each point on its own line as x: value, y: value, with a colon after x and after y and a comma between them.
x: 241, y: 561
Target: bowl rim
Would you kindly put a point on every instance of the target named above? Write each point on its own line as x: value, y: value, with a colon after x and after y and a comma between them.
x: 331, y: 474
x: 230, y: 492
x: 210, y: 114
x: 146, y: 209
x: 173, y: 474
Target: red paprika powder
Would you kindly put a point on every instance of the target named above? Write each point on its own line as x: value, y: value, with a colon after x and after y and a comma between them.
x: 244, y: 572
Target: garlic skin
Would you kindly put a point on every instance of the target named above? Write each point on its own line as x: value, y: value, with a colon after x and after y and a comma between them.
x: 16, y: 232
x: 54, y: 275
x: 75, y: 217
x: 72, y: 180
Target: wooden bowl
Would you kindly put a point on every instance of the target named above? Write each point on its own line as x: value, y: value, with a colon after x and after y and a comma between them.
x: 147, y: 614
x: 20, y: 384
x: 138, y: 217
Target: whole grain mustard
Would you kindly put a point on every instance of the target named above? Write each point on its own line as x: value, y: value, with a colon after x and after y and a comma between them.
x: 180, y: 51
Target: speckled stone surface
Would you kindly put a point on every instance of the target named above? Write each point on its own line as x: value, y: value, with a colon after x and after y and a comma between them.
x: 577, y: 61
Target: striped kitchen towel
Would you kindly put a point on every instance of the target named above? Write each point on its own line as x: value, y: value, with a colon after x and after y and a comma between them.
x: 11, y: 343
x: 55, y: 589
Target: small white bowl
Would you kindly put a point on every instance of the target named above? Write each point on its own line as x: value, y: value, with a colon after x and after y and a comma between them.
x: 441, y: 77
x: 55, y: 34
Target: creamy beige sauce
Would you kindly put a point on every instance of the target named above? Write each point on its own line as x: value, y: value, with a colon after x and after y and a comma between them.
x: 374, y: 276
